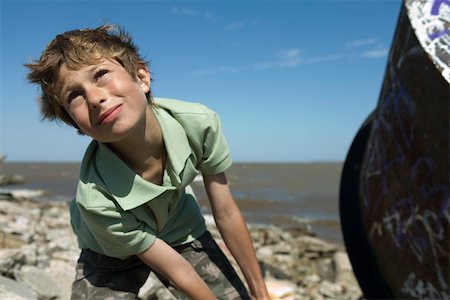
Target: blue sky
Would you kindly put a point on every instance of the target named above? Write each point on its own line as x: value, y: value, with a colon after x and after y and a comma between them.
x: 291, y: 80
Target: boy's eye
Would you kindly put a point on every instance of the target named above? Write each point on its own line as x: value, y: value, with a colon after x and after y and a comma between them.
x: 100, y: 73
x: 73, y: 95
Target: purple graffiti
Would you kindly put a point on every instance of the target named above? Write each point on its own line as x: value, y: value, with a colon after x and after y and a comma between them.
x: 437, y: 6
x: 438, y: 34
x: 435, y: 12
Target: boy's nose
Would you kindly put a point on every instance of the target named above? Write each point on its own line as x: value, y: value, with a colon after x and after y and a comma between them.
x: 95, y: 96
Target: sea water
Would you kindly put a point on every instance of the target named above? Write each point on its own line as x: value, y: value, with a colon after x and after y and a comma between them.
x: 283, y: 194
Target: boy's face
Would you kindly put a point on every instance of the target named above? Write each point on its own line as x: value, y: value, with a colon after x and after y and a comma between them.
x: 104, y: 100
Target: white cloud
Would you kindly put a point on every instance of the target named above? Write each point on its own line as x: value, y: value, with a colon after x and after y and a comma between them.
x: 292, y: 58
x: 373, y: 48
x: 284, y: 59
x: 319, y: 59
x: 175, y: 10
x: 362, y: 42
x: 375, y: 53
x: 264, y: 65
x: 242, y: 23
x: 289, y: 58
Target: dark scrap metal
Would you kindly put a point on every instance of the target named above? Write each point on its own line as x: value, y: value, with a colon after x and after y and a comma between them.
x: 394, y: 196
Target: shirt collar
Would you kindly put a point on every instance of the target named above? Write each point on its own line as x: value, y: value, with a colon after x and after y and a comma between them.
x: 175, y: 139
x: 129, y: 189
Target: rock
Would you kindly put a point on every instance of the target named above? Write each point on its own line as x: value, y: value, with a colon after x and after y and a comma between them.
x: 295, y: 264
x: 264, y: 253
x: 12, y: 209
x: 311, y: 280
x: 280, y: 289
x: 59, y: 240
x: 345, y: 275
x: 153, y: 289
x: 26, y: 194
x: 326, y: 269
x: 270, y: 271
x: 31, y: 254
x: 20, y: 194
x: 63, y: 273
x: 5, y: 295
x: 330, y: 290
x: 10, y: 289
x: 40, y: 282
x: 11, y: 260
x: 11, y: 179
x: 314, y: 244
x: 9, y: 240
x: 344, y: 270
x: 66, y: 256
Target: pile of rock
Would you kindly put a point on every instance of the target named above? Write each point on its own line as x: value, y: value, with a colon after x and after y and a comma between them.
x: 297, y: 265
x: 38, y: 253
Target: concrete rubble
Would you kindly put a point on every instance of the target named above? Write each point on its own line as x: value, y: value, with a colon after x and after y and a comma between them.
x: 38, y: 254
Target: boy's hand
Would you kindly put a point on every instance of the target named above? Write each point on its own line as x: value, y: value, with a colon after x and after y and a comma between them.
x: 167, y: 262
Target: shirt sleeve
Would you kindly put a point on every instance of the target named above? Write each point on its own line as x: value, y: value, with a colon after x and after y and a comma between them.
x: 117, y: 232
x: 216, y: 154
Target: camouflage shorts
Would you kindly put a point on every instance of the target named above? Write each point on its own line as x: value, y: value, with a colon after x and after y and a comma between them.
x: 103, y: 277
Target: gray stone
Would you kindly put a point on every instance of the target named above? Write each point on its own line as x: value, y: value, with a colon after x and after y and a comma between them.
x: 289, y: 255
x: 5, y: 295
x: 311, y: 280
x: 326, y: 270
x: 64, y: 274
x: 39, y: 281
x: 11, y: 208
x: 264, y: 253
x: 154, y: 289
x: 279, y: 289
x: 11, y: 260
x: 271, y: 271
x: 21, y: 194
x: 30, y: 253
x: 330, y: 290
x: 11, y: 179
x: 316, y: 245
x: 16, y: 290
x: 344, y: 270
x: 10, y: 240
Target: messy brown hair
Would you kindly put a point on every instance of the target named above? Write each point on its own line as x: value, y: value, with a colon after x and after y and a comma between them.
x: 75, y: 49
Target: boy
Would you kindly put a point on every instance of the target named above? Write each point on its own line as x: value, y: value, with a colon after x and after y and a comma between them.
x: 134, y: 211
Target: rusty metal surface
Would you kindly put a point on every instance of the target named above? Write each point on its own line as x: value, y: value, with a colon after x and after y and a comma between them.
x: 403, y: 176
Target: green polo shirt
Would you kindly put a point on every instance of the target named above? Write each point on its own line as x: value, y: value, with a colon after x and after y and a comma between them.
x: 118, y: 213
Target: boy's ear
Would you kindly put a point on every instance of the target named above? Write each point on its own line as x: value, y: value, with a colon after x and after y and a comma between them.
x: 143, y: 78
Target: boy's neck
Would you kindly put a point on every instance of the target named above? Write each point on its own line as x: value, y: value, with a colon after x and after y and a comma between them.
x: 144, y: 152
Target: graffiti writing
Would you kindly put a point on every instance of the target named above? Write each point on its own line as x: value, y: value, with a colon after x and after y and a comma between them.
x: 408, y: 204
x: 435, y: 8
x: 435, y: 11
x: 419, y: 289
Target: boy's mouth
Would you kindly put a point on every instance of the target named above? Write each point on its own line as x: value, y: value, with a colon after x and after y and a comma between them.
x: 109, y: 115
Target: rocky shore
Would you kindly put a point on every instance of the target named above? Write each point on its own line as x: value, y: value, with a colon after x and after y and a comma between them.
x: 38, y: 253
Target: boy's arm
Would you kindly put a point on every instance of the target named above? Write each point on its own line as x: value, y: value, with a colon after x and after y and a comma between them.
x: 234, y: 231
x: 167, y: 262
